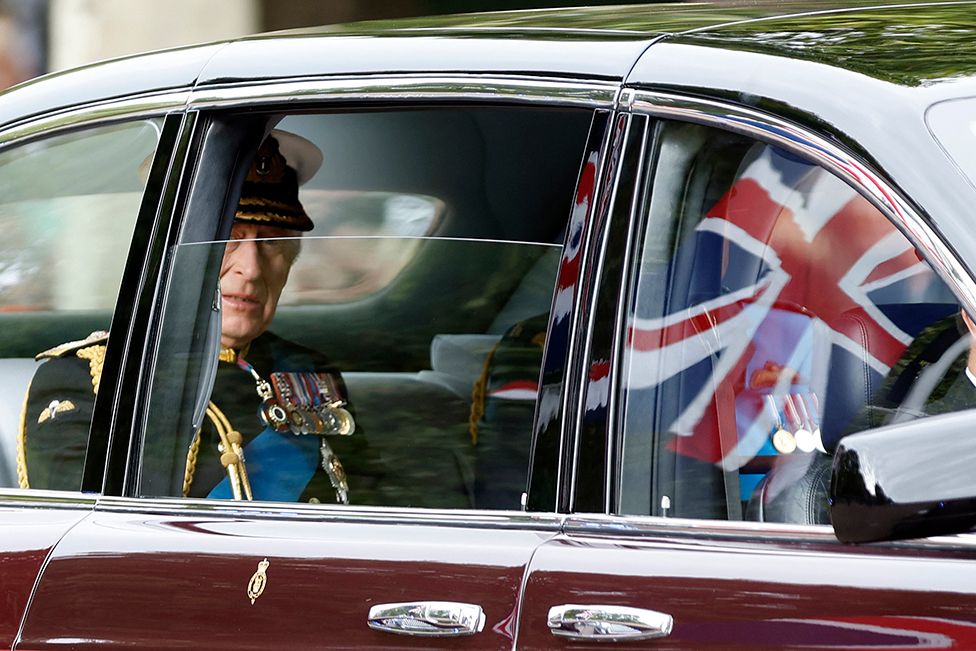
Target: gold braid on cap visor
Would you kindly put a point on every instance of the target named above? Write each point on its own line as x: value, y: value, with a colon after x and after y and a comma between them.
x: 268, y: 211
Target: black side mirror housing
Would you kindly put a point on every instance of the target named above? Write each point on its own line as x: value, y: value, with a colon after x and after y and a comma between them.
x: 910, y: 480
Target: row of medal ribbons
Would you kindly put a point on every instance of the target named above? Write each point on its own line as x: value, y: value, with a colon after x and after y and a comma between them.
x: 307, y: 403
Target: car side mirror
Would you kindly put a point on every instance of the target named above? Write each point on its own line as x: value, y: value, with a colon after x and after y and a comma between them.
x: 909, y: 480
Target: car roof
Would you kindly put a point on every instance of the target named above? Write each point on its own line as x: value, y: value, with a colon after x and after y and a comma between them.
x: 910, y: 45
x: 593, y: 42
x: 584, y: 42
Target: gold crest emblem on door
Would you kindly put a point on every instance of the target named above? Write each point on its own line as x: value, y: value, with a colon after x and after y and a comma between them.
x: 259, y: 580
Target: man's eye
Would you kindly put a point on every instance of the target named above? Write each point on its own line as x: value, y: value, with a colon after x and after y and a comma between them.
x: 273, y: 247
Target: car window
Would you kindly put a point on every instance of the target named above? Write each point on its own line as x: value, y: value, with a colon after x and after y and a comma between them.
x: 68, y: 205
x: 385, y: 297
x: 775, y: 311
x: 953, y: 123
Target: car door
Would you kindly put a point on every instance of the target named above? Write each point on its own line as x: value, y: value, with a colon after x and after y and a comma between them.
x: 440, y: 280
x: 763, y: 307
x: 74, y: 194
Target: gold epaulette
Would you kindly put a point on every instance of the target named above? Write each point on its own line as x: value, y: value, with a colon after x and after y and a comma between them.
x: 96, y: 338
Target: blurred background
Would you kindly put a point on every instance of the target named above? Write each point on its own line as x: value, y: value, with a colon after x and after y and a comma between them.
x: 40, y: 36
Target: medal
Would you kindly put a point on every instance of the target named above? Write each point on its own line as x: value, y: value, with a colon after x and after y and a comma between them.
x: 337, y: 421
x: 331, y: 406
x: 812, y: 416
x: 804, y: 440
x: 316, y: 422
x: 782, y: 438
x: 346, y: 423
x: 272, y: 413
x: 274, y: 416
x: 297, y: 421
x: 808, y: 434
x: 784, y: 442
x: 818, y: 441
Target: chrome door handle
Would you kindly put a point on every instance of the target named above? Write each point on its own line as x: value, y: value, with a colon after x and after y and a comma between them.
x: 608, y: 623
x: 430, y: 618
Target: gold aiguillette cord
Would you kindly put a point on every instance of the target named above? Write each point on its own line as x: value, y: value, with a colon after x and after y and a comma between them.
x: 232, y: 454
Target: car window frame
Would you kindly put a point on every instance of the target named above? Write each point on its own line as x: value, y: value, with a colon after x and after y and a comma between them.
x: 287, y: 97
x: 769, y: 129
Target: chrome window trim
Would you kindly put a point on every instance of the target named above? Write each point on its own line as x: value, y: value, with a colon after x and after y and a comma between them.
x: 691, y: 531
x: 527, y: 90
x: 46, y: 499
x: 326, y: 513
x: 795, y: 138
x: 613, y: 398
x: 103, y: 111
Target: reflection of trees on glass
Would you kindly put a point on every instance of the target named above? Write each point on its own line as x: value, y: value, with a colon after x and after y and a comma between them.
x: 909, y: 46
x: 643, y: 18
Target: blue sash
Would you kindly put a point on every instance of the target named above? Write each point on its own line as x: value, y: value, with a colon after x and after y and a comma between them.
x: 279, y: 466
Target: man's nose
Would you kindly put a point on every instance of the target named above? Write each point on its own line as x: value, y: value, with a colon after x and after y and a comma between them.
x: 245, y: 259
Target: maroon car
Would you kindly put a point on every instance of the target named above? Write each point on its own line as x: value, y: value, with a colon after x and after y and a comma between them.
x: 637, y: 327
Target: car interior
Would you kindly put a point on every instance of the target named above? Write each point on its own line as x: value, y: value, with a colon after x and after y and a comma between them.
x: 427, y: 282
x: 801, y: 361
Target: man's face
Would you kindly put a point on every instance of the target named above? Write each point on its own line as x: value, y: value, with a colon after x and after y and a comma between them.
x: 252, y: 275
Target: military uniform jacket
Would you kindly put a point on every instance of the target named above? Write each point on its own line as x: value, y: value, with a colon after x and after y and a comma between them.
x: 57, y: 415
x: 235, y: 395
x: 59, y: 403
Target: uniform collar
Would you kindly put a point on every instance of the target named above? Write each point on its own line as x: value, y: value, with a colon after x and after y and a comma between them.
x: 230, y: 355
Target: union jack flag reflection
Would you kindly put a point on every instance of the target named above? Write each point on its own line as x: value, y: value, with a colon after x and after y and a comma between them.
x: 790, y: 273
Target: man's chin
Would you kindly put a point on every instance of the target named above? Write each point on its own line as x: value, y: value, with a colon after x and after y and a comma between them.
x: 238, y: 339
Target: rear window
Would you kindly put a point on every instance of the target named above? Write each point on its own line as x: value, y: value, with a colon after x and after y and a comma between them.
x: 953, y: 124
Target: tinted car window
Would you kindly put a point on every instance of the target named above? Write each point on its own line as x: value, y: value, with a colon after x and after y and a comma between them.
x: 419, y: 302
x: 776, y: 311
x: 953, y: 123
x: 67, y: 209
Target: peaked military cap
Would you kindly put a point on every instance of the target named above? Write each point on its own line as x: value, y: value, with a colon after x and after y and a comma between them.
x: 270, y: 193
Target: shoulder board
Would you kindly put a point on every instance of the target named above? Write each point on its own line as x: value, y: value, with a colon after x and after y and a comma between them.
x: 94, y: 339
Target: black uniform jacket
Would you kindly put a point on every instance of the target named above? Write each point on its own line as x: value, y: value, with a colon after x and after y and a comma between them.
x: 59, y: 405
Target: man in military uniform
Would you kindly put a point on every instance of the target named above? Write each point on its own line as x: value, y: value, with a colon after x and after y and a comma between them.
x: 274, y: 403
